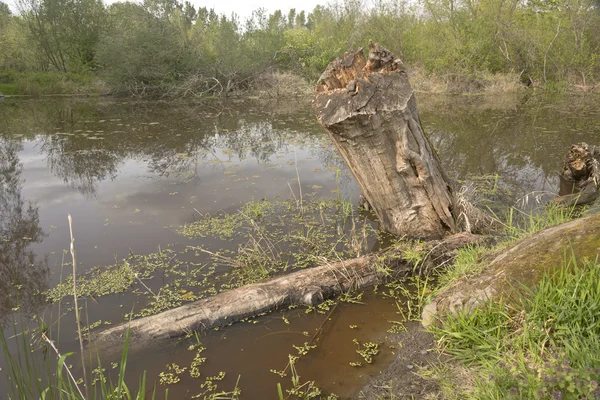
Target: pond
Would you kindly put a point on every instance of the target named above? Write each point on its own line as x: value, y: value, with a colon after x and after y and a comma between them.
x: 131, y: 174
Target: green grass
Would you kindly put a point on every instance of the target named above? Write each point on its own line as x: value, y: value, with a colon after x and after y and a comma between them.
x: 50, y: 378
x: 515, y: 225
x: 9, y: 88
x: 45, y: 83
x: 545, y: 345
x: 518, y: 224
x: 467, y: 262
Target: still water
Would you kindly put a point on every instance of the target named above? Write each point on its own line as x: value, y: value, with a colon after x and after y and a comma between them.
x: 130, y: 173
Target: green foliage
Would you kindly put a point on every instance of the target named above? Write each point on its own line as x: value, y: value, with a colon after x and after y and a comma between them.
x: 543, y: 346
x: 139, y: 49
x: 64, y: 32
x: 166, y: 46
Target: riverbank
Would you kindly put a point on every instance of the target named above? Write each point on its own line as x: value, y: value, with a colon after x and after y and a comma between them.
x: 271, y: 85
x: 535, y: 340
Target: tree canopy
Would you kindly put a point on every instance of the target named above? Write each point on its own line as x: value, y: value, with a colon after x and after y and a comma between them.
x: 170, y: 45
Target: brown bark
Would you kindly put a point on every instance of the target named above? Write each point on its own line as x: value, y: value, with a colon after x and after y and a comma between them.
x: 309, y: 286
x: 580, y: 176
x: 369, y: 110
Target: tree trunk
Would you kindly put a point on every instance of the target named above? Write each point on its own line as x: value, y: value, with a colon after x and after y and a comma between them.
x: 369, y: 110
x: 309, y: 286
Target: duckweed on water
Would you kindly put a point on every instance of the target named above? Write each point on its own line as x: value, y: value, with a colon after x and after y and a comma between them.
x: 172, y: 374
x: 290, y: 232
x: 274, y: 237
x: 119, y: 277
x: 367, y: 350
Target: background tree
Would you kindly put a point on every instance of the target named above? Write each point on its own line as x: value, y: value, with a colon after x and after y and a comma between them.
x: 66, y: 32
x: 140, y: 47
x: 172, y: 47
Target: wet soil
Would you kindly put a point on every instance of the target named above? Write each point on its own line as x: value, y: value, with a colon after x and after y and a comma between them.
x: 416, y: 350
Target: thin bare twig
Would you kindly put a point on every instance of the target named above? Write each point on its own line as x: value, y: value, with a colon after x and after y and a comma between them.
x: 548, y: 49
x: 299, y: 183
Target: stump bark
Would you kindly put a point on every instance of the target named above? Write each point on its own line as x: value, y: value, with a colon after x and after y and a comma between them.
x: 580, y: 175
x: 369, y: 110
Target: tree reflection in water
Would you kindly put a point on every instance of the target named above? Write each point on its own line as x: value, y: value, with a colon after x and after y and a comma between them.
x: 23, y: 279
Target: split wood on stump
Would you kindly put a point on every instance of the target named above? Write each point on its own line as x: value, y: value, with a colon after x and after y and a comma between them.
x: 580, y: 175
x: 369, y: 110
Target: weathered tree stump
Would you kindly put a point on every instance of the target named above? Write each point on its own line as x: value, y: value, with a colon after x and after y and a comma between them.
x: 580, y: 176
x: 369, y: 110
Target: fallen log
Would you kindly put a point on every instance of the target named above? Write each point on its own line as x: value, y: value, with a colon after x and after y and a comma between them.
x: 309, y: 286
x: 522, y: 264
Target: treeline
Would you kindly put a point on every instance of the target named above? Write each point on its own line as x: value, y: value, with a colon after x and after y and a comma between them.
x: 165, y: 46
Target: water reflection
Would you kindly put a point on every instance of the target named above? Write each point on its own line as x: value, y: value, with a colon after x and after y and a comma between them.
x: 520, y: 138
x: 86, y: 143
x: 80, y: 167
x: 127, y: 170
x: 23, y: 278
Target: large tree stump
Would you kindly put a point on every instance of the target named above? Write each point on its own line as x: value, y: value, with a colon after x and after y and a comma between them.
x: 369, y: 110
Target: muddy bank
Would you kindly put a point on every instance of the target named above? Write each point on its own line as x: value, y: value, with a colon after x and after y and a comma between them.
x: 415, y: 349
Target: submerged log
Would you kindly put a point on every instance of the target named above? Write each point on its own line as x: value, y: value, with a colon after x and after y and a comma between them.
x: 521, y: 265
x: 309, y: 286
x: 369, y: 110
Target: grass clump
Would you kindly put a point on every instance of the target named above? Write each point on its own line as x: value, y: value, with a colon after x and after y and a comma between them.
x: 50, y: 377
x: 467, y: 262
x: 543, y: 345
x: 518, y: 224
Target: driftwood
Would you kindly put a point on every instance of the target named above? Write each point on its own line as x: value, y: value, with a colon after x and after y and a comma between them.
x: 369, y: 110
x: 309, y: 286
x: 523, y: 264
x: 580, y: 176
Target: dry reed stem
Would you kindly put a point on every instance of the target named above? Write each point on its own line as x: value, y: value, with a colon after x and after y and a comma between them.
x: 51, y: 343
x: 76, y: 304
